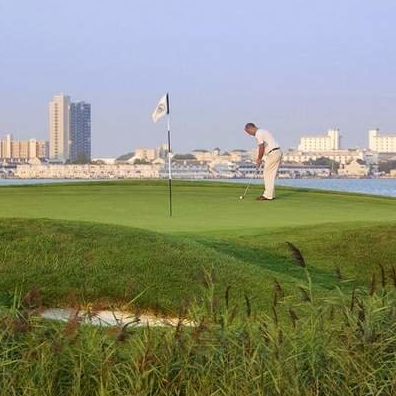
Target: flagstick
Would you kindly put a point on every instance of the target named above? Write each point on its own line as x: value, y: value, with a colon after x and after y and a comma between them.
x: 169, y: 157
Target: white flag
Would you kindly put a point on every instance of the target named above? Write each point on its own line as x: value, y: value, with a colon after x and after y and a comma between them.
x: 161, y: 109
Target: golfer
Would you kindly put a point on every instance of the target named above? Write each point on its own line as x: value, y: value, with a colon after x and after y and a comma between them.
x: 269, y: 149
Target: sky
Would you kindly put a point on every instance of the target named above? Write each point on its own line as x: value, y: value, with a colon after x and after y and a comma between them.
x: 292, y: 66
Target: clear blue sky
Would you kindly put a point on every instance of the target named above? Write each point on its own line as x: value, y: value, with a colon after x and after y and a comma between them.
x: 292, y: 66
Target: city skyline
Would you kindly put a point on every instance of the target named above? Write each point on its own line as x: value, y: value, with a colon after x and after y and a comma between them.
x: 87, y: 108
x: 291, y: 67
x: 80, y: 112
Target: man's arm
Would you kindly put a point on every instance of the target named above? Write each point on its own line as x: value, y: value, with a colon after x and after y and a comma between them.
x: 260, y: 155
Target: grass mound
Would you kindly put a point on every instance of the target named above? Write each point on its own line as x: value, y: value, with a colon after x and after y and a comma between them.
x: 85, y: 262
x: 351, y: 251
x: 74, y: 263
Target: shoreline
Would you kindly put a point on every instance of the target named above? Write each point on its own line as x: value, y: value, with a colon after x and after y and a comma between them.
x: 385, y: 187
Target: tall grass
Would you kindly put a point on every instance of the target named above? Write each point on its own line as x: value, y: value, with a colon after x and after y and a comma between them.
x: 344, y: 345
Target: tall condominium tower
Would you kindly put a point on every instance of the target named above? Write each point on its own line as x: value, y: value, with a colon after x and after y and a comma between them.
x: 59, y: 128
x: 70, y: 130
x: 80, y: 132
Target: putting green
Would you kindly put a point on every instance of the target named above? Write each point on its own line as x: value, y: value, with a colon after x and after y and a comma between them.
x: 198, y: 207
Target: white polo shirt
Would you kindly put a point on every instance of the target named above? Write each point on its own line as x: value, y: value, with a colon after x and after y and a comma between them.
x: 265, y: 137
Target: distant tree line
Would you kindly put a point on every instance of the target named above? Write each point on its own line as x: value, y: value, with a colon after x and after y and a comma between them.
x: 387, y: 166
x: 184, y: 157
x: 333, y: 165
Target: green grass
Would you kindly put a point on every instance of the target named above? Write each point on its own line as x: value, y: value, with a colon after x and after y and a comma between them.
x: 164, y: 261
x: 281, y: 329
x: 86, y: 262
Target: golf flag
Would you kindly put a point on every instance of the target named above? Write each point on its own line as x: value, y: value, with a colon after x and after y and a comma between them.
x: 161, y: 109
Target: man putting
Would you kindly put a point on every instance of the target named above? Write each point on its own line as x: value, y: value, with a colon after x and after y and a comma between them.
x: 269, y: 147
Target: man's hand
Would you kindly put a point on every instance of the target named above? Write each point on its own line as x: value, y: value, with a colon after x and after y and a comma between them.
x: 260, y: 155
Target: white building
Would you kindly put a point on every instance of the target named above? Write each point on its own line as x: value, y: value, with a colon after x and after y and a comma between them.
x: 59, y: 128
x: 331, y: 141
x: 61, y: 171
x: 341, y: 156
x: 185, y: 169
x: 381, y: 143
x: 295, y: 170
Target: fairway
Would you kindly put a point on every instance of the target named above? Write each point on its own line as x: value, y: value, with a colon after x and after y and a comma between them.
x: 198, y: 206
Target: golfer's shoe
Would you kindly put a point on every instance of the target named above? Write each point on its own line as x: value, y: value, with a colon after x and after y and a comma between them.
x: 262, y: 198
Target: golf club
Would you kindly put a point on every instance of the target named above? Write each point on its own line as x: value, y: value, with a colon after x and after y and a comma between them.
x: 250, y: 182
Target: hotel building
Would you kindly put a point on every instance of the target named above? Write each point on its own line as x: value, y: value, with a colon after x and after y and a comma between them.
x: 381, y: 143
x: 329, y: 142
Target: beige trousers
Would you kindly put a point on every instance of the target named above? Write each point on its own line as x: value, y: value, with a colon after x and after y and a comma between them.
x: 271, y: 166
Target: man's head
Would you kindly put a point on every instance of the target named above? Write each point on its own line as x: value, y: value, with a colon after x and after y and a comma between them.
x: 250, y: 128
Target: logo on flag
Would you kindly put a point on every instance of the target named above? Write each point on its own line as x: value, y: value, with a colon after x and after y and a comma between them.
x: 161, y: 109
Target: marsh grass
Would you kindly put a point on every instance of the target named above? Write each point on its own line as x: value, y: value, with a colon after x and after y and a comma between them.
x: 342, y: 345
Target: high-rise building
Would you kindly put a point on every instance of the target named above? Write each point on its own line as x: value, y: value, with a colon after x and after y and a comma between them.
x: 22, y: 150
x: 70, y: 130
x: 381, y: 143
x: 80, y: 132
x: 331, y: 141
x: 59, y: 128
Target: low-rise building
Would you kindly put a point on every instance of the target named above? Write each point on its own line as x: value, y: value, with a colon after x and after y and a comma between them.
x: 356, y: 168
x: 22, y: 150
x: 295, y: 171
x: 239, y: 155
x: 286, y: 170
x: 340, y: 156
x: 223, y: 169
x: 148, y: 154
x: 104, y: 160
x: 61, y: 171
x: 216, y: 155
x: 185, y: 169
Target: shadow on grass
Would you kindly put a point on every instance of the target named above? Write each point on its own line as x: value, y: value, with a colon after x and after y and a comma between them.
x: 279, y: 264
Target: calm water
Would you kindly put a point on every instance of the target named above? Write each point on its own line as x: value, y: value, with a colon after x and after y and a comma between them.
x: 385, y: 187
x: 20, y: 182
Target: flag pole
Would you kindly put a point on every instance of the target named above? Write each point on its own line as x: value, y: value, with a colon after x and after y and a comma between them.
x: 169, y: 156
